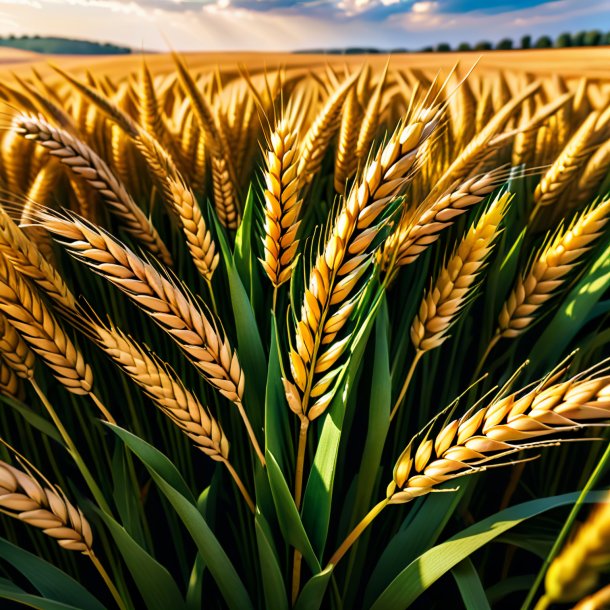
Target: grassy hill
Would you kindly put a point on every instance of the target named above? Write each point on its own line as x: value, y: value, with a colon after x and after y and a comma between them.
x: 62, y: 46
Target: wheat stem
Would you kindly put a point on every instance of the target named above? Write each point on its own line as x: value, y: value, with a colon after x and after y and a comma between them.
x: 111, y: 587
x: 253, y: 439
x: 240, y: 485
x: 405, y: 385
x: 76, y: 456
x: 103, y: 410
x: 490, y: 346
x: 297, y: 560
x: 357, y: 532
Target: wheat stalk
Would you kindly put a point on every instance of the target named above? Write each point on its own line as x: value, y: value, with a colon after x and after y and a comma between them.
x: 85, y: 163
x: 282, y: 205
x: 576, y: 570
x: 171, y: 308
x: 549, y: 271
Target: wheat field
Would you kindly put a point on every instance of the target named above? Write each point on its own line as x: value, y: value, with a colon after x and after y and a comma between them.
x: 304, y: 331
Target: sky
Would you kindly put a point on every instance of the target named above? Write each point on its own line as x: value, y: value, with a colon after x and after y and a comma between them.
x: 267, y: 25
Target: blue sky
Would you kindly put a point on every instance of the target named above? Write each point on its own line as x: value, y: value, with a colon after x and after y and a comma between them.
x: 298, y: 24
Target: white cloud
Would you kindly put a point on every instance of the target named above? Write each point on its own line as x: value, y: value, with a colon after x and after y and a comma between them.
x: 424, y: 7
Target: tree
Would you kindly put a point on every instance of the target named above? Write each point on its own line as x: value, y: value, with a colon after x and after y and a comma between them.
x: 544, y: 42
x: 506, y: 44
x: 443, y: 47
x: 592, y: 38
x: 428, y: 50
x: 464, y: 46
x: 578, y: 40
x: 526, y: 42
x: 483, y: 45
x: 564, y: 40
x: 605, y: 39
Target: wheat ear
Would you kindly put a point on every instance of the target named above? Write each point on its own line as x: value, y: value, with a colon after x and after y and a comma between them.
x: 346, y: 161
x: 593, y: 175
x: 576, y: 570
x: 169, y: 394
x: 321, y: 132
x: 183, y: 203
x: 453, y: 288
x: 565, y: 169
x: 370, y: 120
x: 484, y: 437
x: 48, y: 509
x: 282, y: 205
x: 85, y: 163
x: 28, y: 314
x: 418, y: 230
x: 170, y: 307
x: 29, y: 261
x: 225, y: 200
x: 548, y: 272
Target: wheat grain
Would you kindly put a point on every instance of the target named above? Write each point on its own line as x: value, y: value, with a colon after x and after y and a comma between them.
x: 282, y: 205
x: 225, y: 202
x: 47, y: 508
x: 9, y: 382
x: 600, y: 600
x: 345, y: 160
x: 549, y: 271
x: 85, y: 163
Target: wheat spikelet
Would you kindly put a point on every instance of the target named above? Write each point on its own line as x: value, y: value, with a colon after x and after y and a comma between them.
x: 9, y: 382
x: 165, y: 390
x: 421, y: 229
x: 576, y: 570
x: 565, y: 169
x: 47, y: 508
x: 29, y: 261
x: 14, y: 351
x: 224, y: 194
x: 549, y: 270
x: 14, y: 162
x: 172, y: 309
x: 85, y: 163
x: 453, y: 286
x: 319, y: 135
x: 28, y: 314
x: 282, y: 205
x: 329, y: 297
x: 345, y: 160
x: 466, y: 445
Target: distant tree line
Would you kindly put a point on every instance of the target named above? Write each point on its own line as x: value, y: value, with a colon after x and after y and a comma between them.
x: 591, y: 38
x: 61, y: 46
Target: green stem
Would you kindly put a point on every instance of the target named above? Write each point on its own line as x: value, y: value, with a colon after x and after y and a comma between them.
x: 563, y: 534
x: 257, y: 448
x: 405, y: 386
x: 356, y: 532
x: 78, y: 460
x: 102, y: 572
